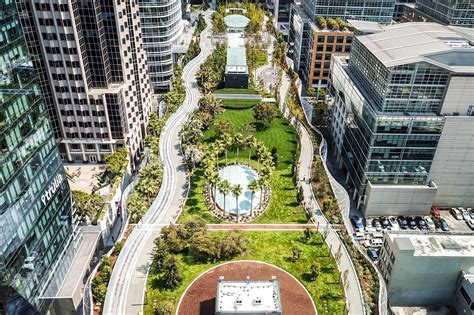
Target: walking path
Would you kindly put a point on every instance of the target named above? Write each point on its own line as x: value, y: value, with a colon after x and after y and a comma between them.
x: 354, y: 299
x: 261, y: 227
x: 128, y: 281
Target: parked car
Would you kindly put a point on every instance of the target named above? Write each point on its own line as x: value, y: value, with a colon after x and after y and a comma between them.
x: 373, y: 253
x: 394, y: 224
x: 444, y: 224
x: 471, y: 213
x: 385, y: 222
x: 377, y: 225
x: 465, y: 214
x: 435, y: 212
x: 411, y: 223
x: 357, y: 222
x: 470, y: 224
x: 359, y: 236
x: 376, y: 242
x: 421, y: 223
x: 403, y: 223
x: 430, y: 224
x: 456, y: 213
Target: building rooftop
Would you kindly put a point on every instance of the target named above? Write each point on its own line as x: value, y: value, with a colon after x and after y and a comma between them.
x: 365, y: 27
x: 248, y: 296
x: 236, y: 21
x: 434, y: 243
x: 448, y: 47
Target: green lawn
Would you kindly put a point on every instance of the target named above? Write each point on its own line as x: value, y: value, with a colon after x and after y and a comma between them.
x: 325, y: 288
x: 239, y: 103
x: 283, y: 207
x: 236, y: 91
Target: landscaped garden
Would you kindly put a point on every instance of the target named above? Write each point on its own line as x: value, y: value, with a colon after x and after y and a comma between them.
x: 183, y: 252
x: 279, y: 137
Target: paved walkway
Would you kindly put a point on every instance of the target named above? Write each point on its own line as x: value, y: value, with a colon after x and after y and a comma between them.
x: 354, y: 299
x: 261, y: 227
x: 128, y: 281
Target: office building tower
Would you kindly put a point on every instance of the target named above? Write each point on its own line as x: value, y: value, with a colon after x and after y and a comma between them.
x: 313, y: 43
x: 281, y: 13
x: 403, y: 118
x: 380, y: 11
x: 161, y: 26
x: 93, y: 74
x: 448, y: 12
x: 35, y: 203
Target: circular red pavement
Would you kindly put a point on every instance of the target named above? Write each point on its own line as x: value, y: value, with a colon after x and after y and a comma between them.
x: 199, y: 297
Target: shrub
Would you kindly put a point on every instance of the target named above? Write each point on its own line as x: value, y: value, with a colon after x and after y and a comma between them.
x: 163, y: 308
x: 117, y: 248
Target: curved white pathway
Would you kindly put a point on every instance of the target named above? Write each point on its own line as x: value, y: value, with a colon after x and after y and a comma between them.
x: 128, y: 281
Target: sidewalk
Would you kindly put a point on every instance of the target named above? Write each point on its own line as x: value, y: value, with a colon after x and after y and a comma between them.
x: 353, y: 291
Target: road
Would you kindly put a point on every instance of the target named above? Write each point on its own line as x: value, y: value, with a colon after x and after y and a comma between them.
x: 127, y: 284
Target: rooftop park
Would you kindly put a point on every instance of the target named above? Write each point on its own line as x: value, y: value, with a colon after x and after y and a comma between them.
x: 183, y: 252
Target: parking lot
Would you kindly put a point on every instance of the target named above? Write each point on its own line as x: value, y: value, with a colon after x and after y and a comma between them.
x: 455, y: 225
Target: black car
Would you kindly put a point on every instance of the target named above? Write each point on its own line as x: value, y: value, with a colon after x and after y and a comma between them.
x: 411, y: 223
x: 373, y: 253
x: 444, y: 224
x: 403, y: 223
x: 421, y: 223
x: 385, y: 222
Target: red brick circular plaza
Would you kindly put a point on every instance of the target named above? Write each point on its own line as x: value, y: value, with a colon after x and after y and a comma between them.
x: 199, y: 298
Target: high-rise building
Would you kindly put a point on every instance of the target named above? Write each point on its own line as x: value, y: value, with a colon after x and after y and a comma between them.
x: 448, y: 12
x: 281, y: 12
x: 35, y: 203
x: 403, y: 118
x: 380, y: 11
x: 161, y: 25
x: 93, y: 73
x: 313, y: 44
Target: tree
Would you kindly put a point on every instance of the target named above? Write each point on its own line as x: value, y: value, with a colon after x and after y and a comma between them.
x: 193, y: 155
x: 341, y: 24
x: 202, y: 247
x: 322, y: 94
x: 227, y: 141
x: 137, y: 206
x: 99, y: 290
x: 300, y: 195
x: 115, y: 163
x: 210, y: 104
x: 214, y: 181
x: 194, y: 226
x: 87, y: 204
x: 308, y: 234
x: 191, y: 133
x: 172, y: 276
x: 237, y: 192
x: 262, y: 182
x: 265, y: 113
x: 251, y: 143
x: 159, y: 255
x: 275, y: 155
x: 238, y: 141
x: 332, y: 24
x: 170, y: 236
x: 224, y: 189
x: 223, y: 127
x: 314, y: 272
x: 155, y: 125
x: 321, y: 21
x: 296, y: 254
x: 232, y: 244
x: 253, y: 187
x: 311, y: 91
x: 248, y: 130
x: 163, y: 308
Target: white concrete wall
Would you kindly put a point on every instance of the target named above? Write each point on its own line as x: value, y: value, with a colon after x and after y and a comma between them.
x: 385, y: 200
x: 453, y: 164
x: 460, y: 95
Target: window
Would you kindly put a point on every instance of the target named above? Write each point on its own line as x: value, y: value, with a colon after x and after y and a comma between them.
x: 330, y: 39
x: 320, y: 39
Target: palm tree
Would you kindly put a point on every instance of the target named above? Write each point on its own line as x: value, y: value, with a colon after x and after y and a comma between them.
x: 253, y: 187
x: 251, y: 144
x: 238, y: 140
x: 214, y: 180
x: 224, y: 188
x: 237, y: 191
x: 262, y: 181
x: 227, y: 140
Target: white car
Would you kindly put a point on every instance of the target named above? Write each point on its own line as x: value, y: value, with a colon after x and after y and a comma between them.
x: 465, y: 214
x: 429, y: 223
x: 470, y: 223
x: 394, y: 226
x: 456, y: 213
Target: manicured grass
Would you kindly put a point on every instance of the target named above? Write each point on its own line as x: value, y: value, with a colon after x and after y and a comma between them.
x: 239, y: 103
x: 274, y: 247
x: 283, y: 207
x: 236, y: 91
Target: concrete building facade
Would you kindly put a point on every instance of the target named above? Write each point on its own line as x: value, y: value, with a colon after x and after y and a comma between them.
x: 161, y: 25
x: 93, y: 73
x: 402, y: 118
x: 425, y: 269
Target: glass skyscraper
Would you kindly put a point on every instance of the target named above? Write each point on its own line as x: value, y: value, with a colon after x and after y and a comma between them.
x: 35, y: 202
x: 449, y: 12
